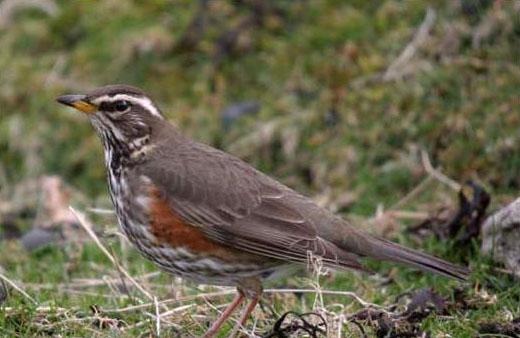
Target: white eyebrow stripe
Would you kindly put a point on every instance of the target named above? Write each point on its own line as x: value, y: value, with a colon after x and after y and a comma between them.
x: 142, y: 101
x: 112, y: 127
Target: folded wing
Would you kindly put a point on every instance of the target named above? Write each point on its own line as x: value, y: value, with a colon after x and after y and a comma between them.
x: 233, y: 204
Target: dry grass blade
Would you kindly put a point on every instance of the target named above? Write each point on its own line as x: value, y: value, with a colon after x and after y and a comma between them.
x: 175, y: 310
x: 101, y: 211
x: 406, y: 214
x: 410, y: 196
x: 435, y: 173
x: 232, y: 291
x: 8, y: 9
x: 84, y: 223
x: 81, y: 283
x: 327, y: 292
x: 17, y: 288
x: 157, y: 317
x: 169, y: 301
x: 395, y: 70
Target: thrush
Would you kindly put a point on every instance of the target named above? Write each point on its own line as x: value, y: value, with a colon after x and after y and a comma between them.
x: 205, y: 215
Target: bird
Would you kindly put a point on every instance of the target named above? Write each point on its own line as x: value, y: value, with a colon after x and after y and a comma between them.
x: 205, y: 215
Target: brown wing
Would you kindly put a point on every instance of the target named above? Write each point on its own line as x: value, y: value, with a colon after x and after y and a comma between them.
x: 234, y: 204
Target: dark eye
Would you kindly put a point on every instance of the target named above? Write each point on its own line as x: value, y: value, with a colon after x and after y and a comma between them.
x: 121, y: 105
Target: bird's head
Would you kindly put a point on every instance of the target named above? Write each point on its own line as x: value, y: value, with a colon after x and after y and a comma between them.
x: 123, y: 116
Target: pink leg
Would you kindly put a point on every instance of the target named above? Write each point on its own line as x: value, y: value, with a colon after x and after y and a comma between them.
x: 239, y: 298
x: 245, y: 315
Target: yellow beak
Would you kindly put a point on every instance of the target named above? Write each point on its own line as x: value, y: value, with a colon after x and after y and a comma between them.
x: 77, y: 101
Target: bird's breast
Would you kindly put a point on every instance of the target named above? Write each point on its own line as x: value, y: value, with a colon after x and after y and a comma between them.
x: 153, y: 226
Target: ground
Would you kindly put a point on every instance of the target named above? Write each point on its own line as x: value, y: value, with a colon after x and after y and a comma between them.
x: 348, y: 102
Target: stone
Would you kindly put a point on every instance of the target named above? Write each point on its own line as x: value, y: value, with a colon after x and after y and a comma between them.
x: 501, y: 235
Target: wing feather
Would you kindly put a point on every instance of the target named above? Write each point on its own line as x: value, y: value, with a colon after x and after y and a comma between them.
x: 236, y: 205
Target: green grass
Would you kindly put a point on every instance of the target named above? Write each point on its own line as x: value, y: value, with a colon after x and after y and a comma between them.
x: 459, y: 103
x: 54, y: 277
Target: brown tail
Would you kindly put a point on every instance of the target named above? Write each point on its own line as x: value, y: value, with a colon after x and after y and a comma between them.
x: 378, y: 248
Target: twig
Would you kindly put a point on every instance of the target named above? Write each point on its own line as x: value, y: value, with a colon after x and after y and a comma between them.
x: 412, y: 194
x: 505, y: 271
x: 341, y: 320
x: 52, y: 309
x: 115, y: 289
x: 81, y: 282
x: 394, y: 71
x: 83, y: 222
x: 169, y: 301
x: 177, y: 309
x: 402, y: 65
x: 92, y: 294
x: 56, y: 70
x: 435, y: 173
x: 315, y: 264
x: 86, y: 283
x: 157, y: 317
x: 231, y: 291
x: 327, y: 292
x: 101, y: 211
x: 14, y: 286
x: 9, y: 7
x: 405, y: 214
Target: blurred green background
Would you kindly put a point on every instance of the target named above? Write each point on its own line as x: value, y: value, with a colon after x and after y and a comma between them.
x: 337, y: 99
x: 335, y: 117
